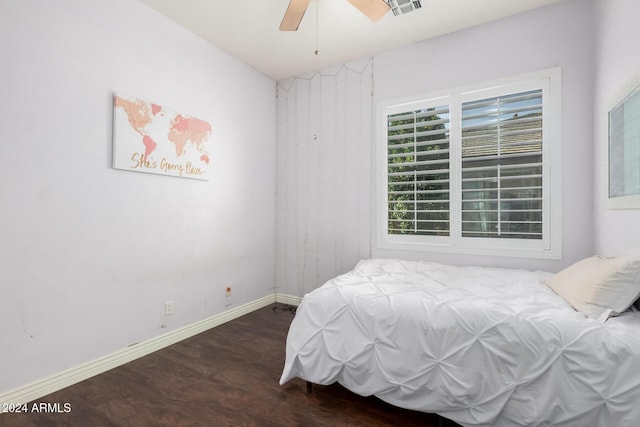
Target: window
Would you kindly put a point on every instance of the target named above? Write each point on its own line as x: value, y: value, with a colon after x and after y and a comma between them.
x: 470, y: 170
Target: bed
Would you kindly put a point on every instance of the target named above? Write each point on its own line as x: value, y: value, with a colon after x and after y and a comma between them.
x: 480, y: 346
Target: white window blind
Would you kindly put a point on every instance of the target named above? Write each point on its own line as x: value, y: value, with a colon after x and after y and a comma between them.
x: 418, y: 172
x: 469, y: 170
x: 502, y: 167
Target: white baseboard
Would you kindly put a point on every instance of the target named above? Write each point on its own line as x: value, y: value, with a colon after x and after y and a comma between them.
x: 71, y: 376
x: 288, y: 299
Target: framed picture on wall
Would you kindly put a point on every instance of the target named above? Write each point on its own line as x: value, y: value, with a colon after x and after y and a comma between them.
x: 623, y: 150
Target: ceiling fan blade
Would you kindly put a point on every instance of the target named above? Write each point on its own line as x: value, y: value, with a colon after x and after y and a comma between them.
x: 374, y: 9
x: 293, y: 15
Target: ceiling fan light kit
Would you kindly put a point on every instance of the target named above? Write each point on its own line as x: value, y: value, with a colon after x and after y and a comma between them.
x: 374, y: 9
x: 400, y: 7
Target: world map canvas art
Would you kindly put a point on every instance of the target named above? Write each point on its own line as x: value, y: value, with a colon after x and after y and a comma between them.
x: 150, y: 138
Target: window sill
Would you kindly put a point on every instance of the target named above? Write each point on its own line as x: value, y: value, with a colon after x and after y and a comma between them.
x: 485, y: 247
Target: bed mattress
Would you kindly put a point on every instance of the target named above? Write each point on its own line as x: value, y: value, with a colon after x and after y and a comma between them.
x: 481, y: 346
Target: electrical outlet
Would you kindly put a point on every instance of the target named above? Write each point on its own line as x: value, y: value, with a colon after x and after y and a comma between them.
x: 168, y: 308
x: 228, y: 300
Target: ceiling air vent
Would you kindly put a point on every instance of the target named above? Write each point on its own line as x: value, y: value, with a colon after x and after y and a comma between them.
x: 400, y: 7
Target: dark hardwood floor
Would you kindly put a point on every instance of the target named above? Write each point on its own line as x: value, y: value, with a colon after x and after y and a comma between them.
x: 227, y: 376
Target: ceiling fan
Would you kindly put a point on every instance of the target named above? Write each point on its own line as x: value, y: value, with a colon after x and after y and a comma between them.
x: 374, y: 9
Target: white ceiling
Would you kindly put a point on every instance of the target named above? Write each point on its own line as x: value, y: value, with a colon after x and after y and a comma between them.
x: 248, y: 29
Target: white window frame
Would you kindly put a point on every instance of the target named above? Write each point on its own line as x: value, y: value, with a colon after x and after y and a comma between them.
x: 549, y: 247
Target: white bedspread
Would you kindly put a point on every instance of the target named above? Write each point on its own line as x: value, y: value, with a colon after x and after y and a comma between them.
x: 481, y: 346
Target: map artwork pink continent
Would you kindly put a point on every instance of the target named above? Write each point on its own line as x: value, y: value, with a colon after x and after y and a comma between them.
x: 150, y: 138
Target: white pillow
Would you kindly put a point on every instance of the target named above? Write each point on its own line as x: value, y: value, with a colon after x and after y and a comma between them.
x: 600, y: 287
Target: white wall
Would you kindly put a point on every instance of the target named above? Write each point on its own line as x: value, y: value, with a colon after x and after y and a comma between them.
x: 317, y: 178
x: 323, y: 175
x: 89, y: 254
x: 617, y: 66
x: 558, y: 35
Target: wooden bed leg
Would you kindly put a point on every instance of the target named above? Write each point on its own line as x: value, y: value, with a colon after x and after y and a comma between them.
x: 309, y: 386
